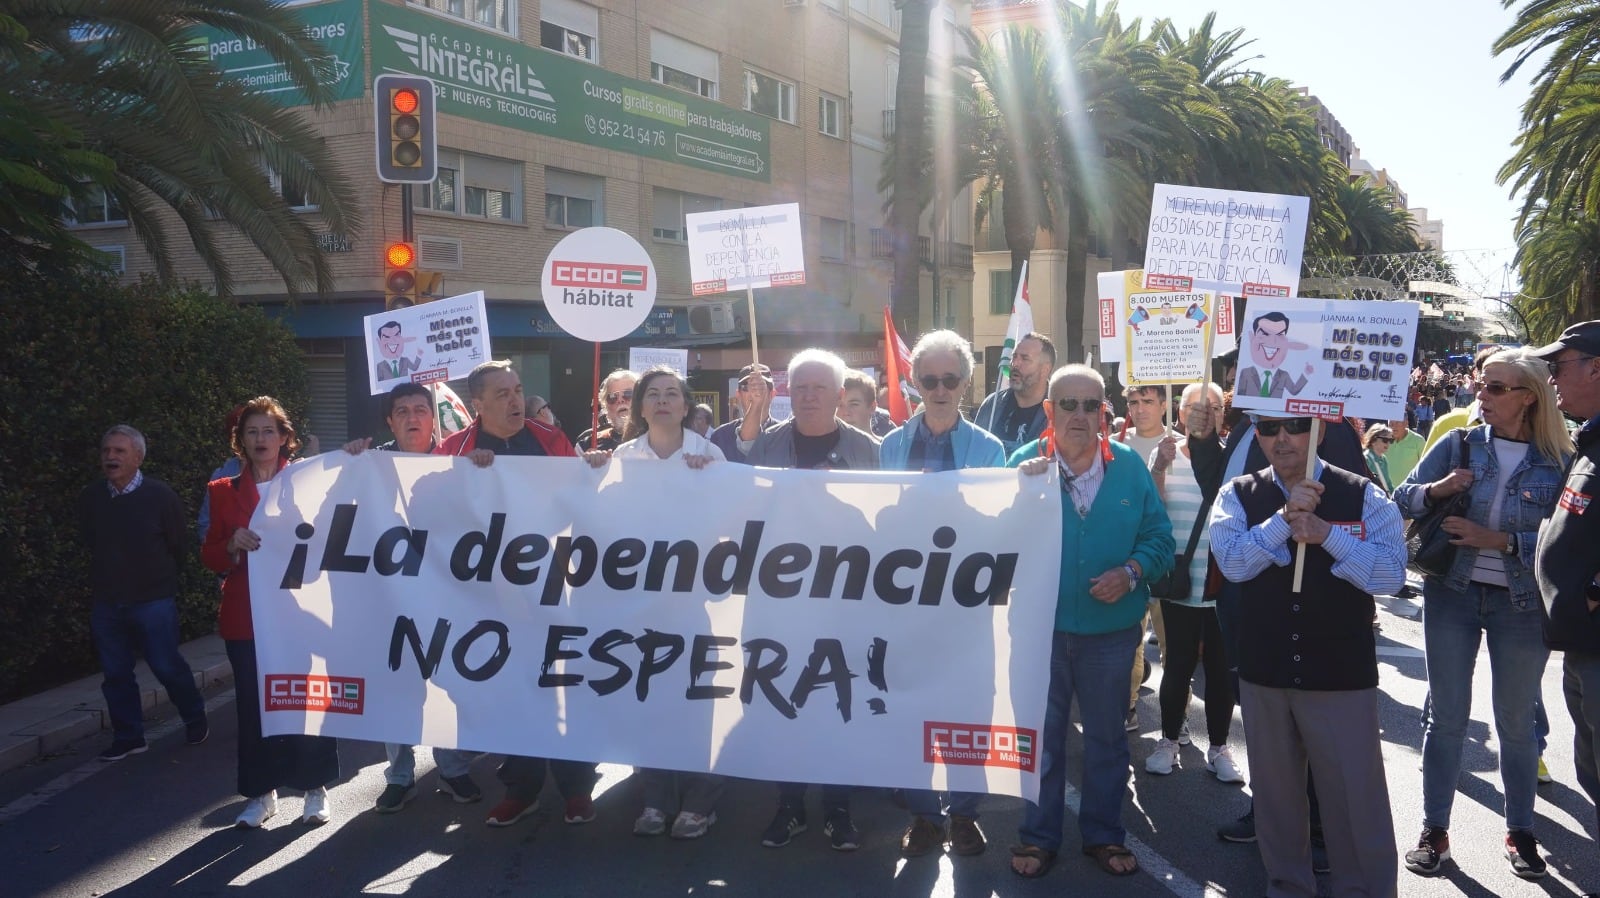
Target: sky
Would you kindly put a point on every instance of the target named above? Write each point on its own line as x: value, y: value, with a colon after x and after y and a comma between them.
x: 1415, y: 85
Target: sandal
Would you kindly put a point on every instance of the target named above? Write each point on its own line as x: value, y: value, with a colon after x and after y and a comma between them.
x: 1045, y: 857
x: 1105, y: 854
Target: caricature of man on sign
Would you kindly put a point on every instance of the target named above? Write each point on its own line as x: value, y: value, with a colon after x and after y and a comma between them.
x: 392, y: 347
x: 1269, y: 349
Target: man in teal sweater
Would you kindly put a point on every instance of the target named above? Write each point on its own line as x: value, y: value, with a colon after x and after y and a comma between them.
x: 1115, y: 539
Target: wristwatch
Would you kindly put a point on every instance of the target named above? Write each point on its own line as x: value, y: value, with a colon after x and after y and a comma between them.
x: 1133, y: 577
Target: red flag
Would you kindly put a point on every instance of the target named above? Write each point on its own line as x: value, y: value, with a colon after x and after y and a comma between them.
x: 896, y: 365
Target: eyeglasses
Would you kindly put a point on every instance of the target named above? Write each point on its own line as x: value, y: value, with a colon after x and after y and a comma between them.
x: 1500, y: 389
x: 949, y: 381
x: 1070, y: 405
x: 1199, y: 409
x: 1377, y: 439
x: 1555, y: 367
x: 618, y: 396
x: 1269, y: 427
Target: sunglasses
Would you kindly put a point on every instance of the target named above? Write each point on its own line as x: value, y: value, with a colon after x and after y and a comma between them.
x: 1379, y: 439
x: 1270, y: 427
x: 619, y: 396
x: 1555, y: 367
x: 949, y: 381
x: 1497, y: 389
x: 1070, y: 405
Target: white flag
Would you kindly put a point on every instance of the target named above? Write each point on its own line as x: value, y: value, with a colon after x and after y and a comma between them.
x: 450, y: 412
x: 1020, y: 326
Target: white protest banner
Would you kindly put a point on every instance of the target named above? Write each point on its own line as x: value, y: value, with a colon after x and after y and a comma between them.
x: 1227, y: 241
x: 1166, y: 337
x: 1326, y: 358
x: 598, y: 284
x: 736, y: 249
x: 801, y: 627
x: 643, y: 358
x: 428, y: 343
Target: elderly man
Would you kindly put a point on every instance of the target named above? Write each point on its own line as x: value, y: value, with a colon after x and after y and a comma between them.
x: 408, y: 410
x: 754, y: 399
x: 937, y: 438
x: 1016, y: 413
x: 133, y: 528
x: 616, y: 399
x: 1115, y: 540
x: 1308, y: 666
x: 1565, y: 562
x: 502, y: 429
x: 813, y: 438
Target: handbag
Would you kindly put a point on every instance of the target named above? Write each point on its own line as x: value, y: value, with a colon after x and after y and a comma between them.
x: 1427, y: 543
x: 1175, y: 584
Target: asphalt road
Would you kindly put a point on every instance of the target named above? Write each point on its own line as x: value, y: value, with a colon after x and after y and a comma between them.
x: 160, y: 824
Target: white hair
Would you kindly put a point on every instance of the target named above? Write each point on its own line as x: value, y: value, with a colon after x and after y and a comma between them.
x: 1076, y: 370
x: 1213, y: 391
x: 944, y: 341
x: 822, y: 357
x: 126, y: 430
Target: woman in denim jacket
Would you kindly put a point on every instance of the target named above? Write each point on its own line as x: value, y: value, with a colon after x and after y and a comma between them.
x: 1513, y: 473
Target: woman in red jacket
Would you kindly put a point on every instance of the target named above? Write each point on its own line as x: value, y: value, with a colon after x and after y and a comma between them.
x: 264, y: 440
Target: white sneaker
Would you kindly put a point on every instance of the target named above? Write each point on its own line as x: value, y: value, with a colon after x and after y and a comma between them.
x: 1164, y: 758
x: 1220, y: 761
x: 651, y: 822
x: 257, y: 810
x: 692, y: 826
x: 316, y: 809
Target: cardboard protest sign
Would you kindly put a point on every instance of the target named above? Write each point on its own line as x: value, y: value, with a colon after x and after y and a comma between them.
x: 598, y: 284
x: 428, y: 343
x: 1115, y: 311
x: 1326, y: 358
x: 736, y: 249
x: 790, y: 630
x: 1226, y: 240
x: 1166, y: 337
x: 643, y: 358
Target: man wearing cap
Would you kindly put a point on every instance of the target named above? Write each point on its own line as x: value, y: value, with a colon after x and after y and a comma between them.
x: 1565, y: 562
x: 1308, y: 665
x: 755, y: 398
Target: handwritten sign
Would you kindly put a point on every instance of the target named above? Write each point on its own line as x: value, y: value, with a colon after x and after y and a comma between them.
x: 643, y: 358
x: 436, y: 341
x: 1226, y: 239
x: 734, y: 249
x: 1302, y: 355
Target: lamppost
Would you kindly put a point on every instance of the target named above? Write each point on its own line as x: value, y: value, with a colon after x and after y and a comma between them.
x: 1527, y: 332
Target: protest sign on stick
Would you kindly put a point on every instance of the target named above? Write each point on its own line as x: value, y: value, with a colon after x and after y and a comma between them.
x: 745, y: 248
x: 428, y: 343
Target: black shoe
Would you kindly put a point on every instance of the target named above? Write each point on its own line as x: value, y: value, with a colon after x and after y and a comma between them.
x: 842, y: 834
x: 1433, y: 849
x: 785, y: 825
x: 395, y: 797
x: 461, y: 788
x: 197, y: 732
x: 1241, y: 830
x: 121, y: 748
x: 1522, y: 850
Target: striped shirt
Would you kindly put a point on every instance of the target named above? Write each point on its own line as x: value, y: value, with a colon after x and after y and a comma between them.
x: 1183, y: 500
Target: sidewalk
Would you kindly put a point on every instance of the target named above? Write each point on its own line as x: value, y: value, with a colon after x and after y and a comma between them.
x: 35, y: 726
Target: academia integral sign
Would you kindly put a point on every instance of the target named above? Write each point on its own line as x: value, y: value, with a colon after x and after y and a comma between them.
x: 502, y: 82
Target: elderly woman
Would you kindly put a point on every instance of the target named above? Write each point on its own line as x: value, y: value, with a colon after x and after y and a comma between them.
x: 1115, y: 539
x: 1512, y: 471
x: 1376, y: 441
x: 937, y: 438
x: 264, y: 439
x: 659, y: 428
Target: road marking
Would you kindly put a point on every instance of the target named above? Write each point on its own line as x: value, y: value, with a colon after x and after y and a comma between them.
x: 93, y: 766
x: 1159, y: 868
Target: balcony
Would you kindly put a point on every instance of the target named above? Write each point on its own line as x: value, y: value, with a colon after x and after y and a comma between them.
x: 952, y: 255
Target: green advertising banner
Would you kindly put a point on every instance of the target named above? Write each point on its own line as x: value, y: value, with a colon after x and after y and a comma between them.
x: 336, y: 24
x: 499, y: 81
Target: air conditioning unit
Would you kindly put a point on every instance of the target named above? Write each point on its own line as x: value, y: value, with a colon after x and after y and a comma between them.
x: 712, y: 318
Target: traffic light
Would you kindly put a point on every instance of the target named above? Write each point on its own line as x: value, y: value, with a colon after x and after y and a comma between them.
x: 407, y: 140
x: 430, y: 286
x: 400, y: 276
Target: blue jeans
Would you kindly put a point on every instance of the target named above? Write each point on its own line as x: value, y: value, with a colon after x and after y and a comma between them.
x: 1452, y: 625
x: 121, y: 633
x: 402, y: 769
x: 1095, y: 670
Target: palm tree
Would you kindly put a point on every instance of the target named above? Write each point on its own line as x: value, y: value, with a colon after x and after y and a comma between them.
x: 1375, y: 223
x: 122, y: 80
x: 910, y: 142
x: 1559, y: 261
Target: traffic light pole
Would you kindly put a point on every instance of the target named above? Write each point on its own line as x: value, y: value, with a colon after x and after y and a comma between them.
x: 406, y: 227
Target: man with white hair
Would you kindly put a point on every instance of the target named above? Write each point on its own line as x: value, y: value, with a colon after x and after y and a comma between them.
x: 133, y: 527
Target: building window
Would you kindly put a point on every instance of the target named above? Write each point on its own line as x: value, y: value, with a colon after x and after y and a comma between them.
x: 833, y: 240
x: 677, y: 63
x: 474, y: 186
x: 1000, y: 292
x: 494, y: 14
x: 667, y: 209
x: 573, y: 200
x: 570, y: 27
x: 828, y: 117
x: 768, y: 96
x: 98, y: 207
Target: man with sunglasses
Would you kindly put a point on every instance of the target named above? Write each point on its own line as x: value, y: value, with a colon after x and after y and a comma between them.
x: 1016, y: 413
x: 1308, y: 666
x: 616, y: 398
x: 1565, y: 562
x: 754, y: 399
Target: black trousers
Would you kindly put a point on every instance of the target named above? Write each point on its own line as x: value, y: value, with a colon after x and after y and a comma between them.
x: 273, y: 762
x: 524, y: 777
x: 1193, y: 636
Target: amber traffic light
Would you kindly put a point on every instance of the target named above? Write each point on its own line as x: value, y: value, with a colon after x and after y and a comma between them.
x: 399, y: 276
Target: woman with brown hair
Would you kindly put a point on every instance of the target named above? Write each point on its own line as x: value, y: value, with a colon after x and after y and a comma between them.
x: 264, y: 440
